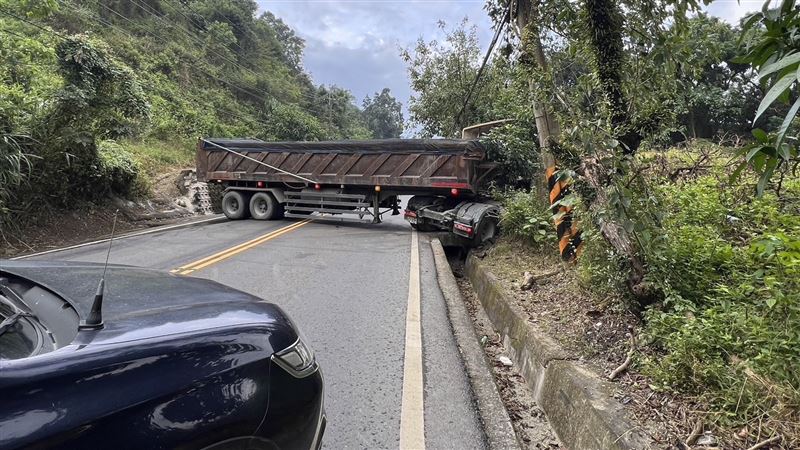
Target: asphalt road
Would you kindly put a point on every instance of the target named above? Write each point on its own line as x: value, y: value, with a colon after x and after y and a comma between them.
x: 347, y: 288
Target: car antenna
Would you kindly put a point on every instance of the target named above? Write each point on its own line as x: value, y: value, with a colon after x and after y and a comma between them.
x: 95, y: 319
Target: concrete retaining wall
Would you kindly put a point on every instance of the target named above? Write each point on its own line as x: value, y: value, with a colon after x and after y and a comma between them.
x: 578, y: 403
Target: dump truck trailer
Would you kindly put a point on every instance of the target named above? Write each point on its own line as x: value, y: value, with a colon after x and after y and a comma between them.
x: 354, y: 180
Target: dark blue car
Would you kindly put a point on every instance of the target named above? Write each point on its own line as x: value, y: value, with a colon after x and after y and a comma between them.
x: 177, y: 363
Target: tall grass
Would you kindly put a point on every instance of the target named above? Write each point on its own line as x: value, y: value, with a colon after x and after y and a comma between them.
x: 14, y: 167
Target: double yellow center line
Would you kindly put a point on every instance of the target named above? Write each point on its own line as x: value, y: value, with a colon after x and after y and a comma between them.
x: 227, y: 253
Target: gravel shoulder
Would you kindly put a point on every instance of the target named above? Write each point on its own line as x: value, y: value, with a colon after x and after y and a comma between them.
x: 528, y: 420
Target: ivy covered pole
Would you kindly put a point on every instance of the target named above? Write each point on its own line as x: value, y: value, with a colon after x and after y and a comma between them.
x: 604, y: 29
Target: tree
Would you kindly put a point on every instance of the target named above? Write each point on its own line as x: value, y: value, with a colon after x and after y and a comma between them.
x: 384, y: 115
x: 290, y: 123
x: 605, y: 111
x: 717, y: 95
x: 441, y: 74
x: 292, y: 44
x: 772, y: 49
x: 336, y: 109
x: 83, y: 83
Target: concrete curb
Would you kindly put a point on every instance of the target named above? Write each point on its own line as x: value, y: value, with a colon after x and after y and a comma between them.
x: 577, y: 402
x: 496, y: 423
x: 216, y: 218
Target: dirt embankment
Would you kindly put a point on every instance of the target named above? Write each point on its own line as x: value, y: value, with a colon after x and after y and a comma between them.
x: 597, y: 332
x: 176, y: 196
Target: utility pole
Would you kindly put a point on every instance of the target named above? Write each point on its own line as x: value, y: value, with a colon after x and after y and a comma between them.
x: 547, y: 127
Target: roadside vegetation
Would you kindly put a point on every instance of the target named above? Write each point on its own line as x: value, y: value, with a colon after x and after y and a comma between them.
x: 673, y: 137
x: 99, y: 96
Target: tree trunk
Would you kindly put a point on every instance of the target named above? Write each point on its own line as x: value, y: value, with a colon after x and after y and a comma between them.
x: 604, y: 27
x: 614, y: 233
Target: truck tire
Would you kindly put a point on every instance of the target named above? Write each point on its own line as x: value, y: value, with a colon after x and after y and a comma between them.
x: 263, y: 206
x: 235, y: 205
x: 416, y: 202
x: 487, y: 230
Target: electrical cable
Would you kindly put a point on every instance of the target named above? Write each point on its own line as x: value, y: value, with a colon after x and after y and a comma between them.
x: 485, y: 60
x: 41, y: 27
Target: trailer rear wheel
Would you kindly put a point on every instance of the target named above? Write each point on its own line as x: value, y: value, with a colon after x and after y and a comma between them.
x: 263, y: 206
x: 234, y: 205
x: 487, y: 230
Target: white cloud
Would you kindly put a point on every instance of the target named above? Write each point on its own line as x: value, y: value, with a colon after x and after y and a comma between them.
x: 731, y: 10
x: 355, y: 43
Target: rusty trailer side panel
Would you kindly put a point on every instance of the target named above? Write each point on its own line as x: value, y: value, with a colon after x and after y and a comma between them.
x: 391, y: 163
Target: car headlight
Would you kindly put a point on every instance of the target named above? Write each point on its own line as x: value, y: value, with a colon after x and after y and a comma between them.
x: 297, y: 359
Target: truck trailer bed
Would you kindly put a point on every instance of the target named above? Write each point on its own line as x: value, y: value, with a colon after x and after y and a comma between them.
x: 394, y: 164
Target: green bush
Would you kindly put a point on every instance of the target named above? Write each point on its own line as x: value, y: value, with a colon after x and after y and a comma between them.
x: 526, y: 216
x: 117, y: 168
x: 600, y: 269
x: 729, y: 330
x: 512, y: 147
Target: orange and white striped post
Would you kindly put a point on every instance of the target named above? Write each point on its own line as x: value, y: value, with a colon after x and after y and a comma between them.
x: 569, y: 235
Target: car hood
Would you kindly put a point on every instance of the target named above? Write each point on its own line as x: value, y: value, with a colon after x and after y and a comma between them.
x: 141, y: 303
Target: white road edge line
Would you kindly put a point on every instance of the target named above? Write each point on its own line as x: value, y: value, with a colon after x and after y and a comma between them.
x: 412, y: 410
x: 124, y: 236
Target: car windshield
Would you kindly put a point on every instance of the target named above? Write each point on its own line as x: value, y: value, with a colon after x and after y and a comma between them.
x: 19, y: 337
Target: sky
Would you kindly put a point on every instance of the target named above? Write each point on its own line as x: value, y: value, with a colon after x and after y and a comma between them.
x: 355, y: 44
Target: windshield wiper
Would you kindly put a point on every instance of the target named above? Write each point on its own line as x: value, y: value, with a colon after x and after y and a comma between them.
x: 11, y: 320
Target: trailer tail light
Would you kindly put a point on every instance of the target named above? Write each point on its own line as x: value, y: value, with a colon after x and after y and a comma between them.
x: 317, y: 186
x: 411, y: 217
x: 260, y: 184
x: 454, y: 192
x: 462, y: 229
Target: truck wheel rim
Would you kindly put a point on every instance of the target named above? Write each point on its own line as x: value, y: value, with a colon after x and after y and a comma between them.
x: 261, y: 206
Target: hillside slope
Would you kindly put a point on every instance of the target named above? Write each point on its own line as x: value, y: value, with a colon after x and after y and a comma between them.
x: 98, y: 96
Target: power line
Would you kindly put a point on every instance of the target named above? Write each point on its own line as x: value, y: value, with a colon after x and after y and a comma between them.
x: 149, y: 10
x: 189, y: 6
x: 485, y: 60
x: 14, y: 34
x: 193, y: 21
x: 230, y: 84
x: 41, y: 27
x: 5, y: 12
x: 117, y: 13
x: 99, y: 19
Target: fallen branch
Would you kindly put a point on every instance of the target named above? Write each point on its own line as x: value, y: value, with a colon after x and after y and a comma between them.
x: 529, y: 278
x: 690, y: 170
x: 697, y: 431
x: 761, y: 444
x: 624, y: 366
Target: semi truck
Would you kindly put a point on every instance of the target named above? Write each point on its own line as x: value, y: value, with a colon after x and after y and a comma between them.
x: 355, y: 180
